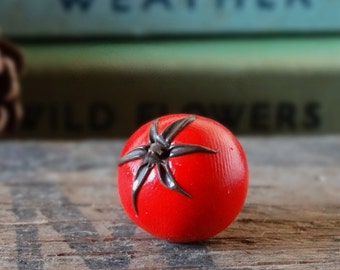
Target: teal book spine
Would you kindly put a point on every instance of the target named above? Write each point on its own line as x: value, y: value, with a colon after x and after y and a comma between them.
x: 91, y: 18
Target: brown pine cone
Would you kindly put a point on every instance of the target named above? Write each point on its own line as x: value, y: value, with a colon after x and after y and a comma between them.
x: 11, y: 68
x: 11, y: 51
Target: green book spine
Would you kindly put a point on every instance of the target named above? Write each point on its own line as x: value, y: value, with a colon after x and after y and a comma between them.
x: 265, y: 86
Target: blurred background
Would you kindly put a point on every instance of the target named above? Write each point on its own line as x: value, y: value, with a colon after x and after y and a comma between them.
x: 72, y: 69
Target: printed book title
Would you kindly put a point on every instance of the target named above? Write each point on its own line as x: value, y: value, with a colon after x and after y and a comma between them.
x: 124, y: 6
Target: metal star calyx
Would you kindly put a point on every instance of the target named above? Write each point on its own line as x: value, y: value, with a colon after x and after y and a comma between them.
x: 157, y: 153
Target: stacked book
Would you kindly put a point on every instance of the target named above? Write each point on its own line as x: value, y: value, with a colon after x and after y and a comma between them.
x: 100, y: 68
x: 109, y: 18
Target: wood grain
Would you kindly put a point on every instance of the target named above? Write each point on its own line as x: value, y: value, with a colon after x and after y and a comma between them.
x: 59, y: 210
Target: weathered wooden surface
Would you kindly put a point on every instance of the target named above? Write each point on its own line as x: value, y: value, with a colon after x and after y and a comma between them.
x: 59, y: 210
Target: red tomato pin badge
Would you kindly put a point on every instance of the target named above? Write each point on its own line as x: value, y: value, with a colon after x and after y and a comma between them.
x: 182, y: 178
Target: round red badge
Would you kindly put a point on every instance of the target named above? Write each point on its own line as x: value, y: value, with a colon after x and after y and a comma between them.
x: 182, y: 178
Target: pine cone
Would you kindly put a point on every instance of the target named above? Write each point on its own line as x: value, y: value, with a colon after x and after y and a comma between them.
x: 11, y: 69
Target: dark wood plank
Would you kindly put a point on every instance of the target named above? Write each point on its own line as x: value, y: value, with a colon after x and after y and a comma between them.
x: 59, y: 209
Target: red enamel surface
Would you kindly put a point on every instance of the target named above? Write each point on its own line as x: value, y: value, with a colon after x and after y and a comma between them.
x: 217, y: 182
